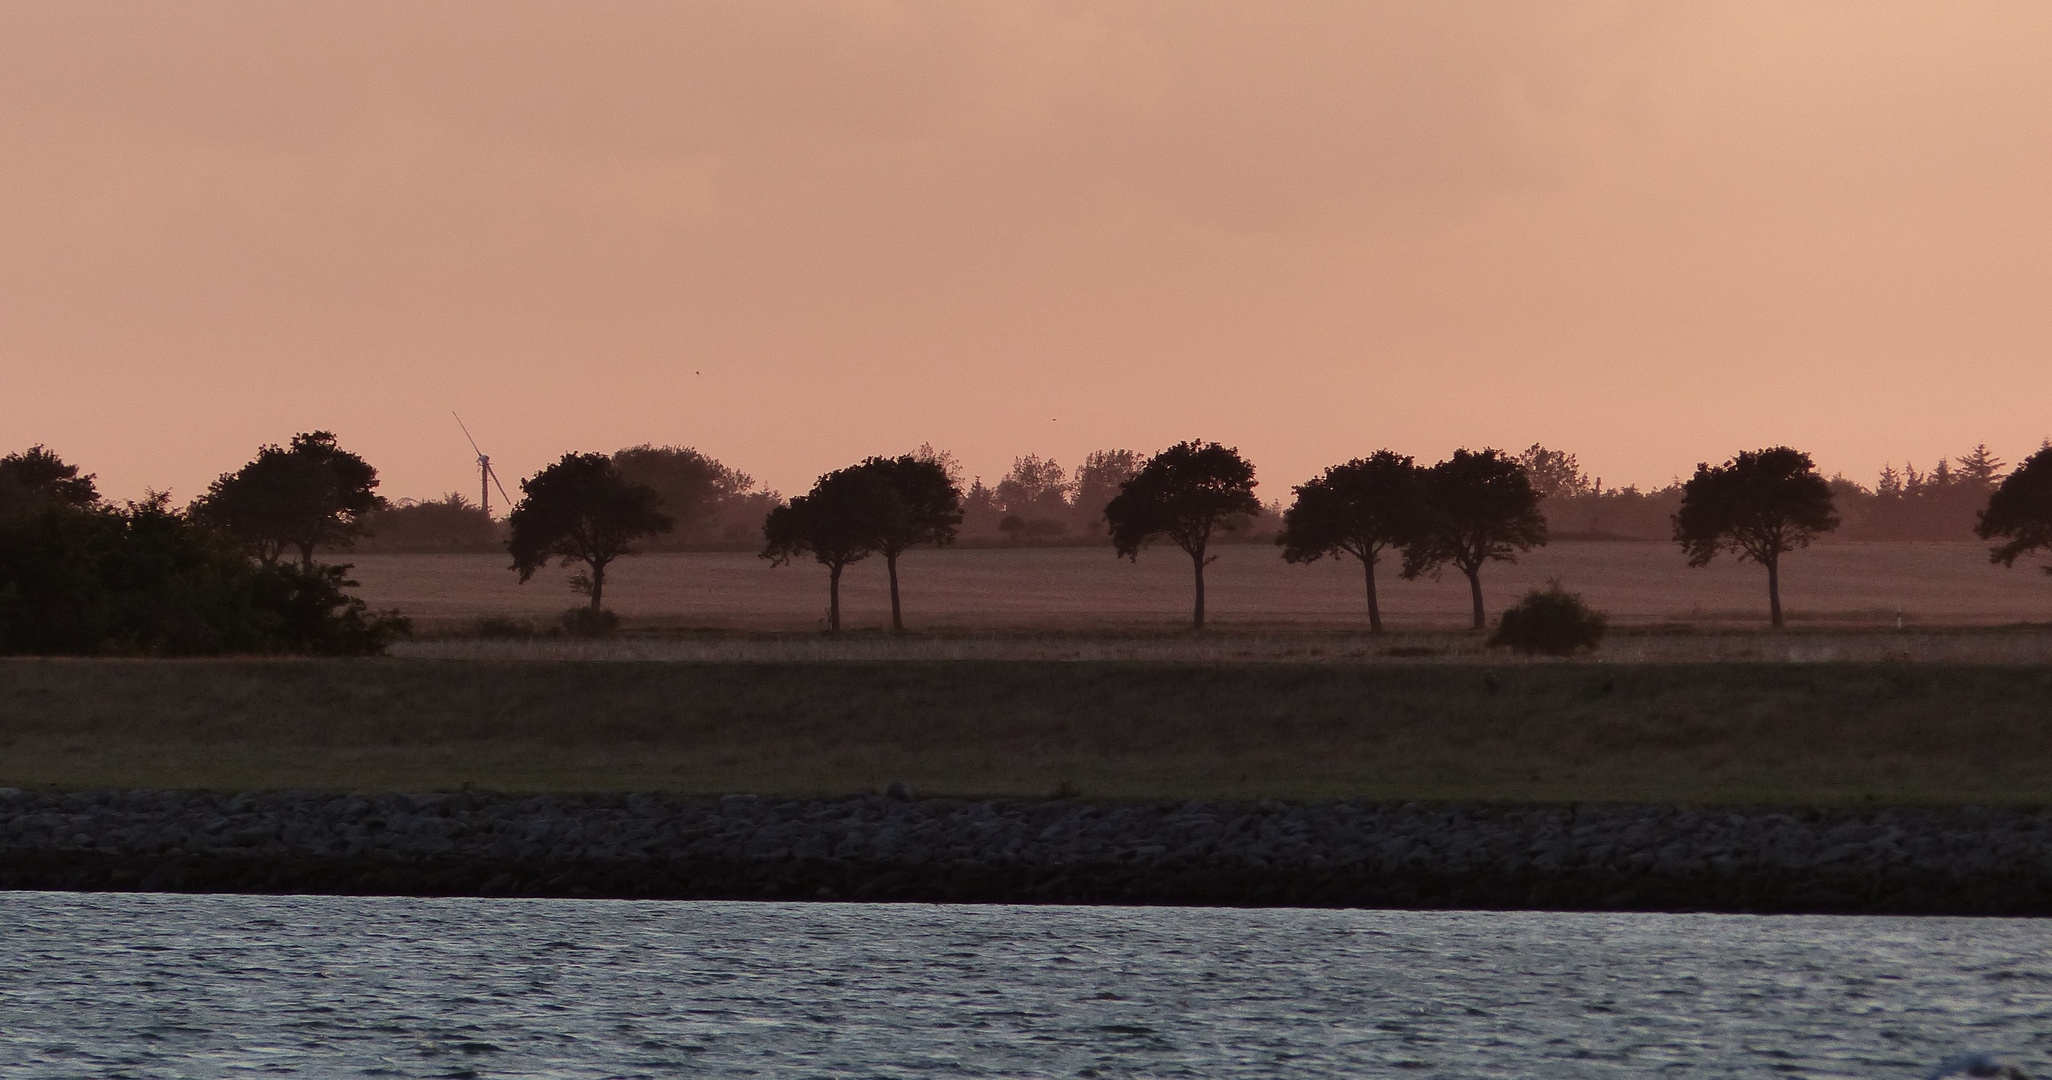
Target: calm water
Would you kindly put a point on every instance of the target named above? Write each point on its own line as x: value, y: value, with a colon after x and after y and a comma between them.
x: 106, y: 985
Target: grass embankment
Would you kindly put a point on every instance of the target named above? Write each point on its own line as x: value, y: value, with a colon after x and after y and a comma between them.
x: 1734, y: 732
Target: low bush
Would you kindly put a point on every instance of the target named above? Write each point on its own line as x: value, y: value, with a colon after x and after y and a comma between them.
x: 144, y: 580
x: 1551, y: 621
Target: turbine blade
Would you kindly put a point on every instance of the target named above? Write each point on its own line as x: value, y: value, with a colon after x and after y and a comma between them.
x: 466, y: 434
x: 494, y: 474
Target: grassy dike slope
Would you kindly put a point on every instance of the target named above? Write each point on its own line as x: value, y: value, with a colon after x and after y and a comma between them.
x: 1730, y: 732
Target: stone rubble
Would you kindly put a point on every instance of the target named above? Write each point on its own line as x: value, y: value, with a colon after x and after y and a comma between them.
x: 1121, y: 846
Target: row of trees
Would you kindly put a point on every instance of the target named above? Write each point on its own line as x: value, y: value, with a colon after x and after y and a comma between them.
x: 1476, y: 507
x: 715, y: 507
x: 273, y: 516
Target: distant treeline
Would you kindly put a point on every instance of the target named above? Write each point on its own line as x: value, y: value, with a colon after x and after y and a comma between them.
x: 1941, y: 503
x: 236, y: 570
x: 714, y: 507
x: 711, y: 508
x: 1039, y: 503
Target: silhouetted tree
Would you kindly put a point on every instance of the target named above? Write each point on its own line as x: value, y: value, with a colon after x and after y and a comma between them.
x: 1979, y: 468
x: 450, y: 523
x: 35, y: 479
x: 703, y: 498
x: 924, y: 507
x: 838, y: 522
x: 980, y: 511
x: 581, y: 509
x: 1759, y: 505
x: 310, y: 494
x: 1037, y: 492
x: 1183, y: 493
x: 1359, y: 508
x: 1555, y: 474
x: 2020, y: 510
x: 1479, y: 508
x: 1097, y: 483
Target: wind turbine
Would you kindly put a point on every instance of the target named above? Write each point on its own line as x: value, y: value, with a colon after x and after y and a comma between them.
x: 486, y: 478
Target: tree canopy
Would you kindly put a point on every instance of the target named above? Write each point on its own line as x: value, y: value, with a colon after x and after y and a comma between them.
x: 1759, y: 505
x: 1098, y: 480
x: 1479, y: 508
x: 83, y: 578
x: 838, y: 523
x: 36, y: 478
x: 1555, y: 474
x: 310, y: 494
x: 581, y: 509
x: 2020, y: 511
x: 450, y: 523
x: 705, y: 500
x: 1360, y: 508
x: 1184, y: 494
x: 920, y: 504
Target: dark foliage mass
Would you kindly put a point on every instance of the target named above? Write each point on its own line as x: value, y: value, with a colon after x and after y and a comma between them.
x: 920, y: 505
x: 884, y: 506
x: 80, y: 577
x: 1938, y: 503
x: 1038, y: 503
x: 1361, y: 508
x: 1184, y: 494
x: 709, y: 504
x: 300, y: 497
x: 1759, y: 505
x: 837, y: 523
x: 451, y: 523
x: 1554, y: 474
x: 1479, y: 508
x: 1550, y: 621
x: 2020, y: 511
x: 36, y: 479
x: 581, y: 509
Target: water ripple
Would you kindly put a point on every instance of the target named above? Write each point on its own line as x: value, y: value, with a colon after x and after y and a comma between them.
x: 207, y: 986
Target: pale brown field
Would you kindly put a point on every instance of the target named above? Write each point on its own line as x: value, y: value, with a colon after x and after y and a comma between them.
x: 1838, y: 585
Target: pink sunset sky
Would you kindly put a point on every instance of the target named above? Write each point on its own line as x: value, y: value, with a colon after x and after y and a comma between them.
x: 795, y: 234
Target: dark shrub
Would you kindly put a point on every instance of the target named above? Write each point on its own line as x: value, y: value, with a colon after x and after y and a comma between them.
x: 146, y: 580
x: 448, y: 524
x: 1552, y: 621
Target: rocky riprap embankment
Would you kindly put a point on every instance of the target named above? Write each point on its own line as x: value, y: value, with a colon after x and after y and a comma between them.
x: 1320, y: 853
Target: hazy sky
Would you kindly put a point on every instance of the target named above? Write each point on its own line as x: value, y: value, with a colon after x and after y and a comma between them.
x: 794, y: 234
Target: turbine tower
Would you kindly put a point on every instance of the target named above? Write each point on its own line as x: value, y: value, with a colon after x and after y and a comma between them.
x: 486, y: 478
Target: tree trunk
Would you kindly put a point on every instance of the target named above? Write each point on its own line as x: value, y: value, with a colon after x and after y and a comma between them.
x: 897, y: 616
x: 833, y: 599
x: 1374, y: 609
x: 1774, y: 588
x: 598, y: 586
x: 306, y: 557
x: 1475, y: 590
x: 1197, y: 616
